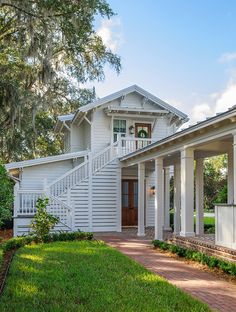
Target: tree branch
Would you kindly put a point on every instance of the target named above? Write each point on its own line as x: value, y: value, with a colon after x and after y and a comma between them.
x: 30, y: 13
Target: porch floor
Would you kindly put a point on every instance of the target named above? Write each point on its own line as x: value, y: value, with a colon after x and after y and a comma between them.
x: 219, y: 294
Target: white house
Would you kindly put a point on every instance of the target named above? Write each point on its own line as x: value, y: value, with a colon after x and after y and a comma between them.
x: 116, y: 166
x: 87, y: 186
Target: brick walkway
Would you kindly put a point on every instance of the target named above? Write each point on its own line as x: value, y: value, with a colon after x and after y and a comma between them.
x: 220, y: 295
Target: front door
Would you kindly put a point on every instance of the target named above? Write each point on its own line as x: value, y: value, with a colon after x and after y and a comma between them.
x: 129, y: 202
x: 142, y: 131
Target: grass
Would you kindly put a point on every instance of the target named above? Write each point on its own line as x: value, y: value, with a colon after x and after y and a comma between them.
x: 87, y: 276
x: 209, y: 220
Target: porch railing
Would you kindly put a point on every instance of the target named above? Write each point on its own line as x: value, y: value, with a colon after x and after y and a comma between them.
x: 26, y: 201
x: 25, y: 205
x: 130, y: 145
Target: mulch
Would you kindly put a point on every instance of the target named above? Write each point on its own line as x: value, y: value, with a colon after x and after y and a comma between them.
x: 7, y: 257
x: 5, y: 234
x: 6, y: 261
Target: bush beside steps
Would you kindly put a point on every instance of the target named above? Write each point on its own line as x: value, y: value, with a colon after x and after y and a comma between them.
x: 210, y: 261
x: 17, y: 242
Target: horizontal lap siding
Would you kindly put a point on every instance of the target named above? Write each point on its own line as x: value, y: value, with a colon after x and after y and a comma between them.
x: 80, y: 203
x: 22, y: 226
x: 101, y: 130
x: 150, y: 200
x: 33, y: 177
x: 104, y: 199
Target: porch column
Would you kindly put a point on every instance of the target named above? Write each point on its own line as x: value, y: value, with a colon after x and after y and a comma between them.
x: 141, y: 199
x: 159, y: 198
x: 167, y: 199
x: 199, y: 197
x: 230, y: 176
x: 177, y: 198
x: 187, y: 191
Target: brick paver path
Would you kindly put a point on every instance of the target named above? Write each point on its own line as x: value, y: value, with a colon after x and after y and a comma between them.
x: 219, y: 294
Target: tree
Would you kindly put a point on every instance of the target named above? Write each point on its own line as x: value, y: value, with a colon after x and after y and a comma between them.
x: 48, y: 49
x: 6, y: 196
x: 215, y: 169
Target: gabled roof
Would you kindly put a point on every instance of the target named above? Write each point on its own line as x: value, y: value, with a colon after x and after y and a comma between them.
x: 83, y: 110
x: 44, y: 160
x: 123, y: 92
x: 66, y: 117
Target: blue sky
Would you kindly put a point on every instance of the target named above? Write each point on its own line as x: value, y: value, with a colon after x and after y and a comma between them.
x: 183, y: 51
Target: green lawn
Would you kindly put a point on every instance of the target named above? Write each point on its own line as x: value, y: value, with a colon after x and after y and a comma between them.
x: 209, y: 220
x: 87, y: 276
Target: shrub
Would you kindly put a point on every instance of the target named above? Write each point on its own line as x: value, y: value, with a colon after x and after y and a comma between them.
x: 17, y: 242
x: 43, y: 221
x: 210, y: 261
x: 6, y: 196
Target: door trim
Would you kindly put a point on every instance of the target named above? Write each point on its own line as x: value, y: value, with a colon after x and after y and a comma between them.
x: 143, y: 124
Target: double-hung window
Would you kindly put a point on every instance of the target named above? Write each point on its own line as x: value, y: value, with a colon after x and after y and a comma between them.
x: 119, y: 127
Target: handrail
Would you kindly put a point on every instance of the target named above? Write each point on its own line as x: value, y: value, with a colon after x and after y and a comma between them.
x: 60, y: 202
x: 66, y: 174
x: 26, y: 205
x: 81, y: 172
x: 137, y: 139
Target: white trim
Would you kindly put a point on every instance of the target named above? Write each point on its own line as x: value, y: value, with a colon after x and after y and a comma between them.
x: 183, y: 135
x: 126, y: 91
x: 44, y: 160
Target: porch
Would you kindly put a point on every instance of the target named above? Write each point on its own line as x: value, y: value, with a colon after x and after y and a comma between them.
x: 184, y: 153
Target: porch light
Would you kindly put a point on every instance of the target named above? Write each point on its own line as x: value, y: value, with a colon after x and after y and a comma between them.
x: 131, y: 129
x: 153, y: 189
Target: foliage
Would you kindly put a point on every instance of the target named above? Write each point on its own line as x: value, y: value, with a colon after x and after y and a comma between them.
x: 17, y: 242
x: 48, y: 50
x: 210, y: 261
x: 209, y: 223
x: 215, y: 169
x: 87, y: 276
x: 43, y: 221
x: 221, y: 197
x: 6, y: 196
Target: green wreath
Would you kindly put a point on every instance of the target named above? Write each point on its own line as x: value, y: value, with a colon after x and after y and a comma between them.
x: 142, y: 134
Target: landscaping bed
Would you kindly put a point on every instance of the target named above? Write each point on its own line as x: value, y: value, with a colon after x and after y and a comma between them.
x: 190, y: 254
x: 87, y: 276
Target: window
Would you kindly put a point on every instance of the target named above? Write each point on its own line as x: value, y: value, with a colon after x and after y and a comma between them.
x: 119, y: 126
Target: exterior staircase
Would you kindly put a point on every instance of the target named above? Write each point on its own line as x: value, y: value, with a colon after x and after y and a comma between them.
x: 70, y: 196
x: 86, y: 197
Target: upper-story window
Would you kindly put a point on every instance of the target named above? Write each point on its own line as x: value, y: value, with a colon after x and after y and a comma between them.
x: 119, y: 127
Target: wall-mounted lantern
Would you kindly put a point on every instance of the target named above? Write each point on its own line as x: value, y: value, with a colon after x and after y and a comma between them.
x: 153, y: 189
x: 131, y: 129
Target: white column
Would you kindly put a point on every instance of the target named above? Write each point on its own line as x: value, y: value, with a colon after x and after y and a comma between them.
x: 167, y: 199
x: 230, y: 182
x: 234, y: 167
x: 199, y: 197
x: 187, y: 191
x: 141, y: 199
x: 177, y: 198
x: 159, y: 198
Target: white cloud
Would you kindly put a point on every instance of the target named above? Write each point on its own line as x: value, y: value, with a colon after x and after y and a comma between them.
x: 200, y: 112
x: 215, y: 103
x: 227, y: 57
x: 227, y: 98
x: 111, y: 33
